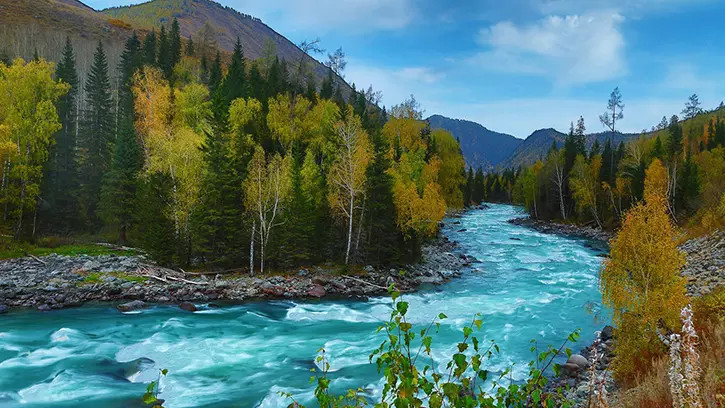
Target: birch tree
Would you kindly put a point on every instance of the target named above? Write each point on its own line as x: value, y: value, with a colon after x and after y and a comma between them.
x: 266, y: 189
x: 346, y: 178
x: 584, y: 183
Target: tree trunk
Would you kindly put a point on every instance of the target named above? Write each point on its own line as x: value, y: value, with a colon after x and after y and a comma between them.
x: 251, y: 249
x: 360, y: 226
x: 349, y: 229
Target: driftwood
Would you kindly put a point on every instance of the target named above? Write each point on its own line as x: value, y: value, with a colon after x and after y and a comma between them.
x: 155, y: 277
x: 186, y: 281
x: 36, y: 259
x: 223, y: 272
x: 119, y: 247
x: 365, y: 282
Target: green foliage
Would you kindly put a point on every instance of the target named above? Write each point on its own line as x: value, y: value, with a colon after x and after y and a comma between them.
x: 151, y: 397
x: 410, y: 381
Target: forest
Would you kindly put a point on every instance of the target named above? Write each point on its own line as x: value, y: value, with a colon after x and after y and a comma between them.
x: 216, y: 161
x: 597, y: 186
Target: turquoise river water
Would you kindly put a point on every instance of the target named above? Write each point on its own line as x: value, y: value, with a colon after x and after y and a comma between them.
x: 528, y: 286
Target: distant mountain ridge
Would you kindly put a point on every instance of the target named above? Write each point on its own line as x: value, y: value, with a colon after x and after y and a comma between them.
x: 492, y: 150
x: 481, y: 147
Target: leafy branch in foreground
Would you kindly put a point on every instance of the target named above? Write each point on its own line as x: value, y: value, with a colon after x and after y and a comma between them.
x: 151, y: 397
x: 413, y: 379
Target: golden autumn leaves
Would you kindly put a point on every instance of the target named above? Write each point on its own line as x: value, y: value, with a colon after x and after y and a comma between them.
x: 172, y: 122
x: 641, y: 280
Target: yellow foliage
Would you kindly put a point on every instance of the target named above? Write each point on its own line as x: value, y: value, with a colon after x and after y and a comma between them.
x: 452, y: 166
x: 641, y: 280
x: 584, y: 182
x: 404, y: 134
x: 171, y: 136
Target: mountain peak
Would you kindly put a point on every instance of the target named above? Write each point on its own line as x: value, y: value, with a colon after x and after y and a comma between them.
x: 481, y: 147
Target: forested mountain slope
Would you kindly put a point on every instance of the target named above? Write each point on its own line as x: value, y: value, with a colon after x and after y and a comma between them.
x: 481, y: 147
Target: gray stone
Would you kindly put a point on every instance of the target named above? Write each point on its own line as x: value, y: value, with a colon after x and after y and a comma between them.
x: 578, y: 359
x: 3, y: 309
x: 44, y: 307
x: 369, y: 269
x: 130, y: 306
x: 316, y: 291
x: 607, y: 333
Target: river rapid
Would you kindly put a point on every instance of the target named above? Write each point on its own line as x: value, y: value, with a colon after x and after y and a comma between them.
x: 528, y: 286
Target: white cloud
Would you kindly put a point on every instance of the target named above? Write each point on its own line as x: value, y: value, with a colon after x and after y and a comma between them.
x: 570, y: 49
x: 684, y: 76
x: 396, y: 83
x: 326, y: 15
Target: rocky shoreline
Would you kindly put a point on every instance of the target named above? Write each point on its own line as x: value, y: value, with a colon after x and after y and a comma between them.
x: 56, y: 282
x: 570, y: 230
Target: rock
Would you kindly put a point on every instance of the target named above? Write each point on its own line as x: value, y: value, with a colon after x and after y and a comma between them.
x: 303, y: 272
x: 130, y: 306
x: 50, y: 288
x: 188, y: 306
x: 3, y: 309
x: 570, y: 370
x: 369, y: 269
x: 607, y: 333
x: 44, y: 307
x: 317, y: 291
x: 578, y: 359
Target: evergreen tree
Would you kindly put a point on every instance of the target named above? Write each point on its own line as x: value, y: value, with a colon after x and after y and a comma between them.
x: 383, y: 238
x: 118, y: 198
x: 165, y: 59
x: 657, y: 149
x: 149, y: 48
x: 174, y: 45
x: 674, y: 143
x: 97, y: 134
x: 689, y: 186
x: 156, y: 228
x: 203, y: 71
x: 298, y: 236
x: 215, y: 73
x: 607, y: 173
x: 234, y: 84
x: 59, y: 209
x: 189, y: 51
x: 595, y: 149
x: 326, y: 89
x: 256, y: 84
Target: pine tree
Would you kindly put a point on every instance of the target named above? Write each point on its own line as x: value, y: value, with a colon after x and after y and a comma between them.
x: 326, y: 89
x: 595, y: 149
x: 215, y: 74
x: 256, y: 84
x: 60, y: 184
x: 174, y: 45
x: 203, y: 71
x: 234, y: 84
x: 164, y: 58
x: 97, y: 134
x: 384, y: 239
x: 156, y: 228
x: 149, y: 48
x: 298, y: 235
x: 674, y: 143
x: 607, y: 172
x: 118, y: 195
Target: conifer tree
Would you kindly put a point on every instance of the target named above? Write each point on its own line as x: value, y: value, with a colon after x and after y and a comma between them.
x: 164, y: 58
x: 189, y: 50
x: 118, y: 195
x: 97, y: 134
x: 234, y: 84
x: 60, y: 184
x: 607, y: 172
x: 174, y: 45
x: 326, y: 89
x: 156, y: 228
x: 215, y: 73
x: 149, y: 48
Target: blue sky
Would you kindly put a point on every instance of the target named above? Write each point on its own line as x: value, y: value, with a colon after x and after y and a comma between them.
x: 519, y: 65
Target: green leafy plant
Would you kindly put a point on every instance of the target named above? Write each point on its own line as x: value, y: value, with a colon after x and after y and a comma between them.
x: 151, y: 397
x: 412, y: 378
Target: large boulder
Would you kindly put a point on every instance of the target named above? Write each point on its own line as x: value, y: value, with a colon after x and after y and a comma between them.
x: 131, y: 306
x: 316, y: 291
x: 3, y: 309
x: 188, y: 306
x: 607, y: 333
x: 579, y: 360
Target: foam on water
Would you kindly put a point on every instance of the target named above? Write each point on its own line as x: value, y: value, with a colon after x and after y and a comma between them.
x: 538, y: 287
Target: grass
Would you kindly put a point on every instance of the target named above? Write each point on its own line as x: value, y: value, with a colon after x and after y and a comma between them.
x: 10, y: 249
x: 97, y: 277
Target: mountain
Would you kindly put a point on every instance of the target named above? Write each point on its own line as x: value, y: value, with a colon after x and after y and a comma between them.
x: 43, y: 25
x: 481, y: 147
x: 537, y: 145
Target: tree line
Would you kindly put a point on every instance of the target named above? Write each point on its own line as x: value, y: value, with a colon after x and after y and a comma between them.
x: 598, y: 185
x: 205, y: 159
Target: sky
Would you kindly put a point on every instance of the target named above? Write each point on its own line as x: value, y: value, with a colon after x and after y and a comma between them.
x: 519, y: 65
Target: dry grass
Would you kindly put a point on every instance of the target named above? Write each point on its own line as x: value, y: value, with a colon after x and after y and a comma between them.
x: 653, y: 389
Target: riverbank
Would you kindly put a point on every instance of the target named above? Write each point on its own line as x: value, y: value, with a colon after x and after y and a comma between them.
x: 570, y: 230
x: 56, y: 281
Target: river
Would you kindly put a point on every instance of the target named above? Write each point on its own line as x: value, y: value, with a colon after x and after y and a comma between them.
x: 528, y: 286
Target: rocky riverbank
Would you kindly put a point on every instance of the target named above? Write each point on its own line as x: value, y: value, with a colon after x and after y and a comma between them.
x: 571, y: 230
x: 705, y: 265
x: 55, y: 282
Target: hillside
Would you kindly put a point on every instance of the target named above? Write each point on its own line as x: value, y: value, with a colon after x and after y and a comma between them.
x: 538, y: 144
x: 44, y: 24
x: 227, y: 23
x: 481, y: 147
